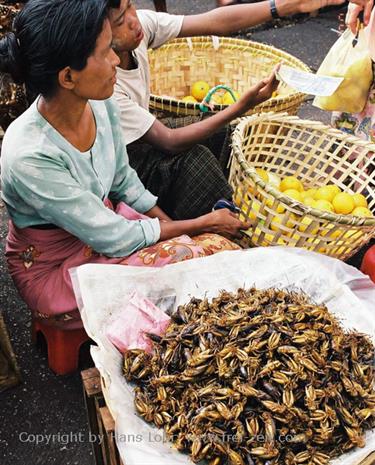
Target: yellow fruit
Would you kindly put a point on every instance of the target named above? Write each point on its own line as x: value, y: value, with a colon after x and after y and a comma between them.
x: 271, y: 203
x: 278, y: 220
x: 274, y: 179
x: 359, y: 200
x: 228, y: 99
x: 199, y: 90
x: 294, y: 194
x: 309, y: 202
x: 262, y: 174
x: 327, y: 231
x: 290, y: 182
x: 268, y: 238
x: 189, y: 99
x: 217, y: 99
x: 240, y: 196
x: 257, y: 231
x: 311, y: 192
x: 363, y: 212
x: 296, y: 237
x: 335, y: 234
x: 324, y: 205
x: 325, y: 193
x: 333, y: 188
x: 353, y: 235
x: 305, y: 223
x: 343, y: 203
x: 280, y: 208
x: 254, y: 210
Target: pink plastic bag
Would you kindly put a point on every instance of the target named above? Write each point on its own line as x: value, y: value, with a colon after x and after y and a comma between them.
x: 138, y: 317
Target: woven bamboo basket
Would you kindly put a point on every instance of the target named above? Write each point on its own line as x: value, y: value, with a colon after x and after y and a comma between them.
x: 317, y: 155
x: 234, y: 62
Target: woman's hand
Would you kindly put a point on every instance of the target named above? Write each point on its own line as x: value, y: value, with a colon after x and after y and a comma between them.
x: 354, y: 9
x: 224, y: 222
x: 259, y: 93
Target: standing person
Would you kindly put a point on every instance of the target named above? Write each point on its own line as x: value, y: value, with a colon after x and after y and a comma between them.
x: 360, y: 124
x: 186, y: 176
x: 71, y: 195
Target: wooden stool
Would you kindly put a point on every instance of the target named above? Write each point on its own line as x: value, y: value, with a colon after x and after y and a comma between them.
x: 62, y: 346
x: 101, y: 422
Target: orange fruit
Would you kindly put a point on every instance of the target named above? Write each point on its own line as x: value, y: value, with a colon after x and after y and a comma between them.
x: 310, y: 192
x: 305, y: 223
x: 362, y: 211
x: 240, y: 196
x: 343, y: 203
x: 262, y: 174
x: 309, y: 202
x: 359, y: 200
x: 217, y: 99
x: 228, y: 99
x: 294, y: 194
x: 254, y: 210
x: 291, y: 182
x: 277, y: 221
x: 189, y: 99
x: 199, y: 90
x: 325, y: 193
x: 353, y: 234
x: 333, y: 188
x: 324, y: 205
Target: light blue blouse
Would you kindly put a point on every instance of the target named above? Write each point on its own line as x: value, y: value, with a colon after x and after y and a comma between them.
x: 47, y: 180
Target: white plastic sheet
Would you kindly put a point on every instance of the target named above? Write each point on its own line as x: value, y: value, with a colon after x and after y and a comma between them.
x: 100, y: 288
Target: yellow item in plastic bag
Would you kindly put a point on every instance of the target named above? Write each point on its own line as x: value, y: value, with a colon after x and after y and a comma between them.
x: 353, y: 63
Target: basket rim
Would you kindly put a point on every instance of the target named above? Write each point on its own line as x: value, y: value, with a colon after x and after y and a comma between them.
x: 247, y: 121
x: 235, y: 43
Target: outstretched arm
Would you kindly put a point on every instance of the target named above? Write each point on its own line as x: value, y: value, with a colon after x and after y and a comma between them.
x: 229, y: 19
x: 177, y: 140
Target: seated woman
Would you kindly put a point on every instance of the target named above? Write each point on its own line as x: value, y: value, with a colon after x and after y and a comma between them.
x: 71, y: 195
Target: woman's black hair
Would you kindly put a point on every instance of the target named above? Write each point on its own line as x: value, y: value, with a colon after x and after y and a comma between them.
x: 114, y: 3
x: 48, y: 36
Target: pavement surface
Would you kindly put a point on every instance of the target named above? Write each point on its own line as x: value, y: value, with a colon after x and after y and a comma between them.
x: 43, y: 421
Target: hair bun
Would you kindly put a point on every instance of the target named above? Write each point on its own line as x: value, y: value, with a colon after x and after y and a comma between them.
x: 10, y: 58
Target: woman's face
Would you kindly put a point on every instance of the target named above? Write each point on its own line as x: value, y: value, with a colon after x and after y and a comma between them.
x: 96, y: 81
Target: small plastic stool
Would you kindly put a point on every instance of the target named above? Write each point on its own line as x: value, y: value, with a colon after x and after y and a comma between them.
x: 368, y: 263
x: 62, y: 346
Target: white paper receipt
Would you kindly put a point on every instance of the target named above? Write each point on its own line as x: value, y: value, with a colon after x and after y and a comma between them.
x: 309, y: 83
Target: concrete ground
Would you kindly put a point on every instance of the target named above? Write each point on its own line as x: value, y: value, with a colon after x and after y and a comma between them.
x: 49, y: 409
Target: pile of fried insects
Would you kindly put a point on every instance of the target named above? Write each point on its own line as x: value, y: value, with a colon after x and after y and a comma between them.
x: 257, y: 377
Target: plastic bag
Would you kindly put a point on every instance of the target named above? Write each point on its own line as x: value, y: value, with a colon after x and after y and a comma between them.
x: 370, y: 35
x: 139, y: 316
x: 353, y: 63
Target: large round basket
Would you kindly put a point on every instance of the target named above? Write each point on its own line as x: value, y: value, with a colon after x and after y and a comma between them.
x: 317, y: 155
x: 237, y: 63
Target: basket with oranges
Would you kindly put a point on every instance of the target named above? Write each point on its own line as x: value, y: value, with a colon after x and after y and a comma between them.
x: 299, y: 185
